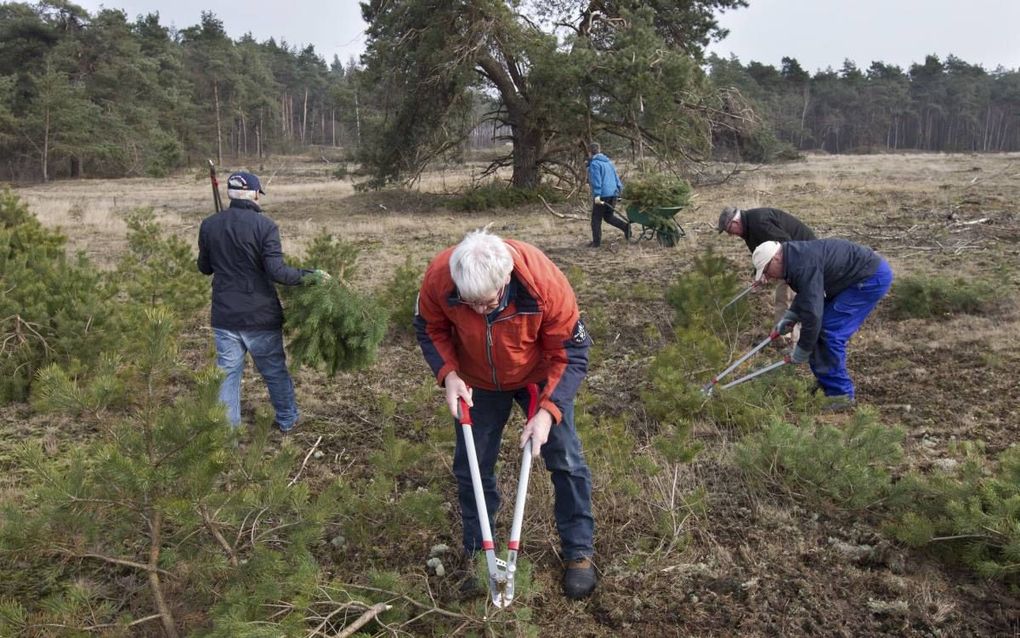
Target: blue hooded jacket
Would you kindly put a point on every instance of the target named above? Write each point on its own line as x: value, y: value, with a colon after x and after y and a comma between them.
x: 603, y: 178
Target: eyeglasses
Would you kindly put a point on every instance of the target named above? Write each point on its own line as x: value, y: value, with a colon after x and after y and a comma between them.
x: 487, y: 304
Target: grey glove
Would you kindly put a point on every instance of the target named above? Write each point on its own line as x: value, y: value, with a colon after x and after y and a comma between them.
x: 598, y: 200
x: 798, y: 355
x: 787, y: 323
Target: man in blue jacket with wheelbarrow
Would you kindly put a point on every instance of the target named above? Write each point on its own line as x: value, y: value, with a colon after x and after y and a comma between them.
x: 605, y: 191
x: 838, y: 283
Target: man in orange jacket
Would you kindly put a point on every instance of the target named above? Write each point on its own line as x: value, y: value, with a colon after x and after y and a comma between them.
x: 492, y: 317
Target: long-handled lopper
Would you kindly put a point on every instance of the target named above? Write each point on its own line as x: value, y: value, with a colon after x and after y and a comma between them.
x: 740, y: 296
x: 747, y: 377
x: 501, y: 572
x: 708, y: 387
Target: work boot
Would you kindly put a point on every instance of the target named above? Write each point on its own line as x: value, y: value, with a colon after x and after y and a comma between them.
x: 841, y: 403
x: 469, y: 585
x: 592, y: 245
x: 579, y: 578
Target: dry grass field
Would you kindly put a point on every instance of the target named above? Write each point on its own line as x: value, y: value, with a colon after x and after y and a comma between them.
x: 746, y: 561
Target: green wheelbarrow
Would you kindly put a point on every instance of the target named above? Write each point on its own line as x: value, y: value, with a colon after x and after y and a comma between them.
x: 656, y: 223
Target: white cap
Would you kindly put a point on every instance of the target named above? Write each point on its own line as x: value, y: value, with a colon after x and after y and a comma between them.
x: 763, y: 254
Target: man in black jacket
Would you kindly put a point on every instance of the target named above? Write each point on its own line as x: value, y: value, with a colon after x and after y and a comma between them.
x: 759, y: 225
x: 240, y: 247
x: 838, y: 283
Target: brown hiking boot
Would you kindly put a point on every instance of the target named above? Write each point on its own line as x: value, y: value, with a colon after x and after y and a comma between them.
x: 579, y: 578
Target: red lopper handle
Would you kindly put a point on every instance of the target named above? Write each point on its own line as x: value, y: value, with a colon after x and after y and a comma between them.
x: 464, y: 414
x: 532, y: 400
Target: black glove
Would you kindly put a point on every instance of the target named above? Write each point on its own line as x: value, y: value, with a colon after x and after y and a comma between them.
x: 787, y: 323
x: 798, y: 355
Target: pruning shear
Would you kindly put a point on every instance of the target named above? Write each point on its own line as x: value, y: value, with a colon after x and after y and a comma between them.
x: 501, y: 572
x: 710, y: 386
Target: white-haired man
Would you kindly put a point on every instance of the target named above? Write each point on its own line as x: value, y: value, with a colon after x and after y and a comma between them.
x: 240, y: 248
x: 838, y: 283
x: 494, y: 316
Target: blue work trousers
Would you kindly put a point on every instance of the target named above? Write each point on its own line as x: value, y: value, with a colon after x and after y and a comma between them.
x: 843, y: 315
x: 563, y: 458
x: 266, y: 348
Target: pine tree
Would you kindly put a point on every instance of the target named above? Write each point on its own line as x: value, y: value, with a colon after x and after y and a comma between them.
x: 328, y: 323
x: 163, y: 509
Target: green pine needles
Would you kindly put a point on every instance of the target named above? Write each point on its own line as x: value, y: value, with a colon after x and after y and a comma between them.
x: 333, y: 327
x: 330, y: 325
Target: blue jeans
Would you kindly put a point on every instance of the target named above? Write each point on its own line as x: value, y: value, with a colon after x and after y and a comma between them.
x: 843, y: 315
x: 266, y: 348
x: 563, y: 458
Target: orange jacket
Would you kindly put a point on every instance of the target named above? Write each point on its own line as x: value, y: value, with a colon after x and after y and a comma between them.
x: 537, y: 337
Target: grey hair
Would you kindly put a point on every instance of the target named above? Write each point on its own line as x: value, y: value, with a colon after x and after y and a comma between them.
x: 242, y: 194
x: 594, y: 148
x: 480, y: 264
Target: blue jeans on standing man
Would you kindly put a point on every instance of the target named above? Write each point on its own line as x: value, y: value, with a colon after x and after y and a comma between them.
x: 266, y: 348
x: 563, y: 458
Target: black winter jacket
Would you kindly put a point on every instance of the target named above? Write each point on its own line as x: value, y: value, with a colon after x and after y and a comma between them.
x: 771, y: 224
x: 818, y: 271
x: 240, y: 247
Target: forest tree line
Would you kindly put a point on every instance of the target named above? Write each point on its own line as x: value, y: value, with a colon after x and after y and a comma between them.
x: 949, y: 106
x: 100, y: 94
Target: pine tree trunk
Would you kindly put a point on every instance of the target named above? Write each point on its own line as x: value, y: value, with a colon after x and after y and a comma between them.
x: 244, y: 133
x: 155, y: 540
x: 304, y: 117
x: 258, y: 137
x: 357, y: 118
x: 46, y: 147
x: 283, y: 116
x: 527, y: 150
x: 332, y: 119
x: 219, y: 132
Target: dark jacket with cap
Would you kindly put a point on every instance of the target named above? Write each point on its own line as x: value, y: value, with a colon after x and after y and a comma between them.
x: 771, y: 224
x: 240, y: 248
x: 818, y: 271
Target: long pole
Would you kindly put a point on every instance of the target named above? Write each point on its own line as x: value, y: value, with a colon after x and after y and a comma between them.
x: 217, y: 202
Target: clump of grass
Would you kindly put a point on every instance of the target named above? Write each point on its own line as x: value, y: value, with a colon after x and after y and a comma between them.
x: 921, y: 297
x: 490, y: 196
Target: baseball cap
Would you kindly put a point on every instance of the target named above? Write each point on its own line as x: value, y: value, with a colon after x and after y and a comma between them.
x: 244, y: 182
x: 763, y: 254
x: 726, y: 217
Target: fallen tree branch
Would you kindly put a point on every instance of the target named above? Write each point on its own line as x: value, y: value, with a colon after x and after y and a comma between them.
x: 364, y: 619
x: 560, y: 215
x: 304, y: 463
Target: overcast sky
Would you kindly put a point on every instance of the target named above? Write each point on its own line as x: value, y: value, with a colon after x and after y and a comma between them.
x: 333, y: 26
x: 819, y: 33
x: 822, y: 33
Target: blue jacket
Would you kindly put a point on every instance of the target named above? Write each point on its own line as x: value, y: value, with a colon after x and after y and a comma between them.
x: 818, y: 271
x: 240, y: 247
x: 603, y: 178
